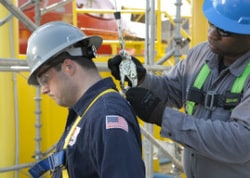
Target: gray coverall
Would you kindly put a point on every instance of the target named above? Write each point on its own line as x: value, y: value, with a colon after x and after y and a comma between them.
x: 216, y: 142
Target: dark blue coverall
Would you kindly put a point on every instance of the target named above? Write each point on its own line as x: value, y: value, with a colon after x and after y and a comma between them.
x: 103, y: 149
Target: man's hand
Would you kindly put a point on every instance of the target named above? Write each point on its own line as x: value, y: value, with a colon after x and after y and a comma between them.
x: 113, y: 65
x: 146, y: 105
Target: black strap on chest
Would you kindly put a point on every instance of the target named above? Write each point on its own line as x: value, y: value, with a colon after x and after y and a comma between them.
x: 210, y: 99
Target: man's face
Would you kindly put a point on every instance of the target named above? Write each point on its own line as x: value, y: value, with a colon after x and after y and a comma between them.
x: 227, y: 44
x: 55, y: 83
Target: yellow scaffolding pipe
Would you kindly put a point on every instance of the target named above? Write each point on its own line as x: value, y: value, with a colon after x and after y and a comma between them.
x: 199, y: 24
x: 7, y: 116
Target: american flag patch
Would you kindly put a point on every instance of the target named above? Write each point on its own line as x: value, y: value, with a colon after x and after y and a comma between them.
x: 116, y: 122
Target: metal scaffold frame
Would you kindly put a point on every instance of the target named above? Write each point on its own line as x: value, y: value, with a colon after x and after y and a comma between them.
x: 17, y: 65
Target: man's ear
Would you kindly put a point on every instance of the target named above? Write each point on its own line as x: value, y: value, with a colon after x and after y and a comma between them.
x: 69, y: 66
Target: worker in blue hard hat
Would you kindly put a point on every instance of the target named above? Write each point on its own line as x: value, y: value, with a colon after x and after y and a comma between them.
x: 213, y: 85
x: 102, y: 136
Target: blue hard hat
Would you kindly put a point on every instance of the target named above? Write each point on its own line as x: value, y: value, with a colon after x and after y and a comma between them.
x: 229, y: 15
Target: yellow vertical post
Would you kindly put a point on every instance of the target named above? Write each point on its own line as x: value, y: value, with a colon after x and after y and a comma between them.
x: 199, y: 24
x: 74, y: 13
x: 7, y: 123
x: 158, y: 46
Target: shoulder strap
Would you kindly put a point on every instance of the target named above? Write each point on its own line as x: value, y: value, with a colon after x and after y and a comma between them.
x: 79, y: 118
x: 240, y: 81
x: 198, y: 83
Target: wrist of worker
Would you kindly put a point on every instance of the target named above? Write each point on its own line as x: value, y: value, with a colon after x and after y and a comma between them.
x: 157, y: 114
x: 174, y: 123
x: 144, y: 81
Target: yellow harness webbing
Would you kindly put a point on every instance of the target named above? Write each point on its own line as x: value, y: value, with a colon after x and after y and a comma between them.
x: 79, y: 118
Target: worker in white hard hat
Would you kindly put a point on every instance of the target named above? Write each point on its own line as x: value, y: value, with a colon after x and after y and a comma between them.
x: 102, y: 137
x: 213, y: 85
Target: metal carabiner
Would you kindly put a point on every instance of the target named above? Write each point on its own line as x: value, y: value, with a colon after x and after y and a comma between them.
x: 127, y: 69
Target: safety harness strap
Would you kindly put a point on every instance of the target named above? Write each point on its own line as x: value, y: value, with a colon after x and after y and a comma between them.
x: 240, y: 81
x: 51, y: 163
x: 210, y: 99
x: 67, y: 139
x: 198, y: 83
x: 58, y: 159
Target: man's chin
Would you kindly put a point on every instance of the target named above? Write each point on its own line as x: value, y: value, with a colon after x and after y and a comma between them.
x: 62, y: 104
x: 213, y: 49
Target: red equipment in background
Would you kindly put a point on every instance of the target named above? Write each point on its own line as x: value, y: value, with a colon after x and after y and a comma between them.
x: 89, y: 24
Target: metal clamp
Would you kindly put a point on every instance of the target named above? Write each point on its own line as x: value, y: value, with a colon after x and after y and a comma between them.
x: 209, y: 100
x: 127, y: 69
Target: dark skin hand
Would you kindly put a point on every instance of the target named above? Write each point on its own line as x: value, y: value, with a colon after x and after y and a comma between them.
x: 228, y: 47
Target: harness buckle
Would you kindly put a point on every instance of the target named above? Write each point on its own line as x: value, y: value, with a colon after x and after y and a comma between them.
x: 209, y: 100
x: 56, y: 160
